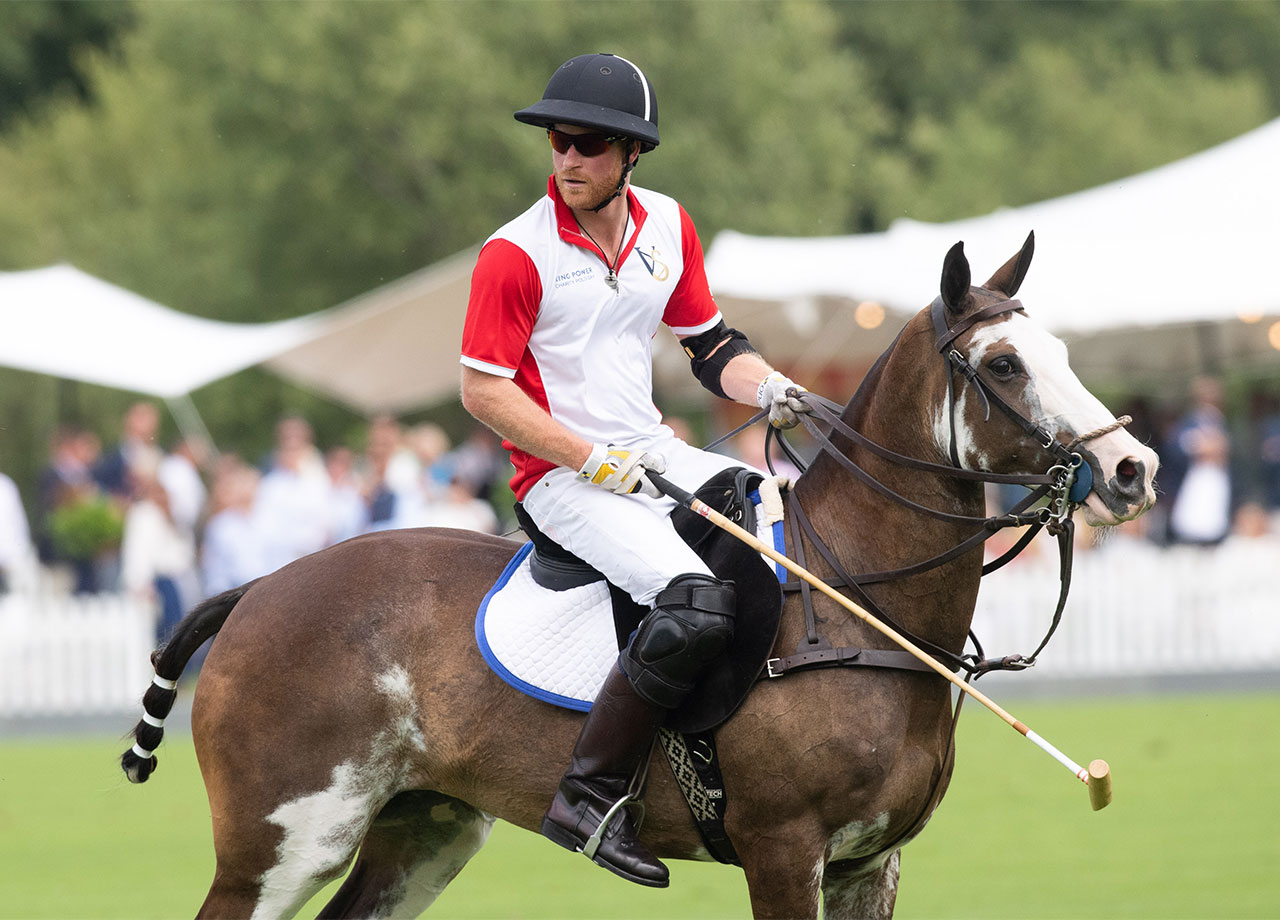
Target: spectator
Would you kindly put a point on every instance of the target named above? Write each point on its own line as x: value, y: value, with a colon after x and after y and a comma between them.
x: 17, y: 554
x: 137, y: 447
x: 348, y: 513
x: 461, y: 508
x: 230, y: 554
x: 383, y: 444
x: 179, y: 473
x: 1269, y: 451
x: 476, y: 462
x: 291, y: 509
x: 157, y: 559
x: 1199, y: 455
x: 72, y: 510
x: 426, y: 476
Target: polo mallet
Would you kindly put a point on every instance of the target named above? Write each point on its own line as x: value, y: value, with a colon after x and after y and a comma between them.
x: 1097, y: 777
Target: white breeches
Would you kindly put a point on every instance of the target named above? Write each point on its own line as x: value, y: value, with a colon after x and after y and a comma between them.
x: 628, y: 538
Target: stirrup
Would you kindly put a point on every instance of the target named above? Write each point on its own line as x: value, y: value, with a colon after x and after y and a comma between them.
x: 593, y: 842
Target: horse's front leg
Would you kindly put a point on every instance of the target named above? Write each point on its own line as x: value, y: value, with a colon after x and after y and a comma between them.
x: 784, y: 874
x: 860, y: 889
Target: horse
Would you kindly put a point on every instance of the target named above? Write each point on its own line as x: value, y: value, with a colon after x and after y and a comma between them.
x: 344, y: 712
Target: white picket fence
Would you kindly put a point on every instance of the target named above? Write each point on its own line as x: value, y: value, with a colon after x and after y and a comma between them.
x: 1134, y: 611
x: 74, y: 655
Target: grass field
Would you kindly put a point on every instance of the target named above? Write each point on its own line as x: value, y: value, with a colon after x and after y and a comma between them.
x: 1191, y: 833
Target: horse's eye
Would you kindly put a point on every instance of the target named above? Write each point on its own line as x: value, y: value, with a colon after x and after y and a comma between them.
x: 1004, y: 366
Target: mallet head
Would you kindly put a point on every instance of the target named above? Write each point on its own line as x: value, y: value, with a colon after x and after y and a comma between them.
x: 1099, y: 784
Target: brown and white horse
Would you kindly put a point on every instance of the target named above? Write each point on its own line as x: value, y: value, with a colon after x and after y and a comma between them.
x: 344, y: 710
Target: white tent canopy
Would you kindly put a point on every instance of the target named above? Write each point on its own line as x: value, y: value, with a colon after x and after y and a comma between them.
x: 1192, y: 242
x: 393, y: 349
x: 61, y: 321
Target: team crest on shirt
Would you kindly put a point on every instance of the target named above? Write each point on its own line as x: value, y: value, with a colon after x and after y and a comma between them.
x: 656, y: 266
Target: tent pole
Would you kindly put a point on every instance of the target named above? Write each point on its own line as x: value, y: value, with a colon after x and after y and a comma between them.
x: 193, y: 428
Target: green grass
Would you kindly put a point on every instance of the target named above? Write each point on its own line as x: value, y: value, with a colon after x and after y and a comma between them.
x: 1190, y: 835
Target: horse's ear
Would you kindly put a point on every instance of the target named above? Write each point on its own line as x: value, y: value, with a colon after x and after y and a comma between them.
x: 1009, y: 278
x: 955, y: 279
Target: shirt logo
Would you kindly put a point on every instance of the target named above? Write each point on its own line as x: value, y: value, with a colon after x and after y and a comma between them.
x: 577, y: 276
x: 656, y: 266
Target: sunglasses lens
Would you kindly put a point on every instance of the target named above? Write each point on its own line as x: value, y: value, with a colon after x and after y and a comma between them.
x: 589, y: 145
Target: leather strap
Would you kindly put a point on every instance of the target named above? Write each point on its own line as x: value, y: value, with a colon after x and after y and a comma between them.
x: 845, y: 657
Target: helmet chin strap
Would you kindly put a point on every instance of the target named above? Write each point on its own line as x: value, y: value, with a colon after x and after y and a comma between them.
x: 622, y: 183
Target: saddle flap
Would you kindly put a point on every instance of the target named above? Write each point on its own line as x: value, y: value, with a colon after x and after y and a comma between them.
x: 726, y: 681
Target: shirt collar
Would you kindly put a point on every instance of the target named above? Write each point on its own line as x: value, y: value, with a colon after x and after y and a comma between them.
x: 567, y: 224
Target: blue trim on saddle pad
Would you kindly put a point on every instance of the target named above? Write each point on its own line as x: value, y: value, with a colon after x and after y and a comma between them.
x: 497, y: 666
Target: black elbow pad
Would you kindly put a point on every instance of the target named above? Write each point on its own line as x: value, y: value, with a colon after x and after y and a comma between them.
x: 708, y: 367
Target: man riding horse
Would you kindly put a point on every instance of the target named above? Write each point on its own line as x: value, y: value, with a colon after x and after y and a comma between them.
x: 565, y: 300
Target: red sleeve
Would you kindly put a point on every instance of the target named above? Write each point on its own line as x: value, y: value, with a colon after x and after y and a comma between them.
x: 505, y: 293
x: 691, y: 305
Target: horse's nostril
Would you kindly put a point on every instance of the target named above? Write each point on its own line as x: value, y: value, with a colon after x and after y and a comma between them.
x: 1131, y: 476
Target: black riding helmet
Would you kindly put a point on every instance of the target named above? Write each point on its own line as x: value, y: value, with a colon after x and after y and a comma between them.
x: 601, y: 91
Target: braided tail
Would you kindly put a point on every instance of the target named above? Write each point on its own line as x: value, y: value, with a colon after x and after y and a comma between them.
x: 196, y: 628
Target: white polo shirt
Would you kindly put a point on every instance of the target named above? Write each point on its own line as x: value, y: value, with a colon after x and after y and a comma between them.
x: 542, y: 314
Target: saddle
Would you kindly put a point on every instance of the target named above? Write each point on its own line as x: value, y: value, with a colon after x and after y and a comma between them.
x: 726, y: 681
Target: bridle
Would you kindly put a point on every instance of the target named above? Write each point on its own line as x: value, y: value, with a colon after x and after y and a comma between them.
x: 1061, y: 488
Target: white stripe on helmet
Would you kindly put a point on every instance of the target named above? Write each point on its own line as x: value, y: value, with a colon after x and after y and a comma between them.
x: 643, y: 82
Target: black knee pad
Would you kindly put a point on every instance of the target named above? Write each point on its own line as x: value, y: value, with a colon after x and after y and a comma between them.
x: 690, y: 626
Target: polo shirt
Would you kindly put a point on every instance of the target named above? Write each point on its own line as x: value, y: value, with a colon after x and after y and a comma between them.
x: 541, y: 313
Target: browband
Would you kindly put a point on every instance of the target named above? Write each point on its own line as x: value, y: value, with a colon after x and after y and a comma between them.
x: 947, y: 336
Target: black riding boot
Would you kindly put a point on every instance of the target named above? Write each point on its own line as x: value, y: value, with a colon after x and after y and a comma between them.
x: 613, y: 744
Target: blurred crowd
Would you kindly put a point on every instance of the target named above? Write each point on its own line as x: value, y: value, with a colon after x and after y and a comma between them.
x: 176, y: 526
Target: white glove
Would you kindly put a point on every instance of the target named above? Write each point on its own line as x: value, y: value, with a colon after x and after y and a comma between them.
x: 620, y: 470
x: 783, y: 409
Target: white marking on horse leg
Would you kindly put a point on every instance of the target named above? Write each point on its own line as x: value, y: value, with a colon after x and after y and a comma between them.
x: 456, y: 835
x: 858, y: 838
x: 322, y: 830
x: 321, y: 833
x: 869, y: 896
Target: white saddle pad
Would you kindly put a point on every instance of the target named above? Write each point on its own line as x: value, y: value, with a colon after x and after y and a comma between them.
x: 558, y: 646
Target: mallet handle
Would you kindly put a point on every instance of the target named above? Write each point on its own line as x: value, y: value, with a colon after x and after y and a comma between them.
x: 715, y: 517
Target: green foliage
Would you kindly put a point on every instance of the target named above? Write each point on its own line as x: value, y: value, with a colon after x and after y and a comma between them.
x: 83, y: 529
x: 41, y: 42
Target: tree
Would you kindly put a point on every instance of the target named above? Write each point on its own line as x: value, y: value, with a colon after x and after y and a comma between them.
x: 41, y: 42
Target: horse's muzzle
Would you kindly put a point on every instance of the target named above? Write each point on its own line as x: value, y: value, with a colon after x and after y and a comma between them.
x: 1124, y: 483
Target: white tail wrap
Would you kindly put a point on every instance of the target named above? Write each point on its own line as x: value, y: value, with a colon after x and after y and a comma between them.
x: 164, y: 684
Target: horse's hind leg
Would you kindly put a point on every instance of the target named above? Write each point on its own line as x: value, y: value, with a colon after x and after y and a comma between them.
x: 865, y: 893
x: 416, y: 845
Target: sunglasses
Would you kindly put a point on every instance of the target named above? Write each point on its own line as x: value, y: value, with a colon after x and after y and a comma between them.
x: 589, y: 145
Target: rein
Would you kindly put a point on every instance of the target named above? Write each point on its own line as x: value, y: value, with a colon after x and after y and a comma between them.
x: 1063, y: 487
